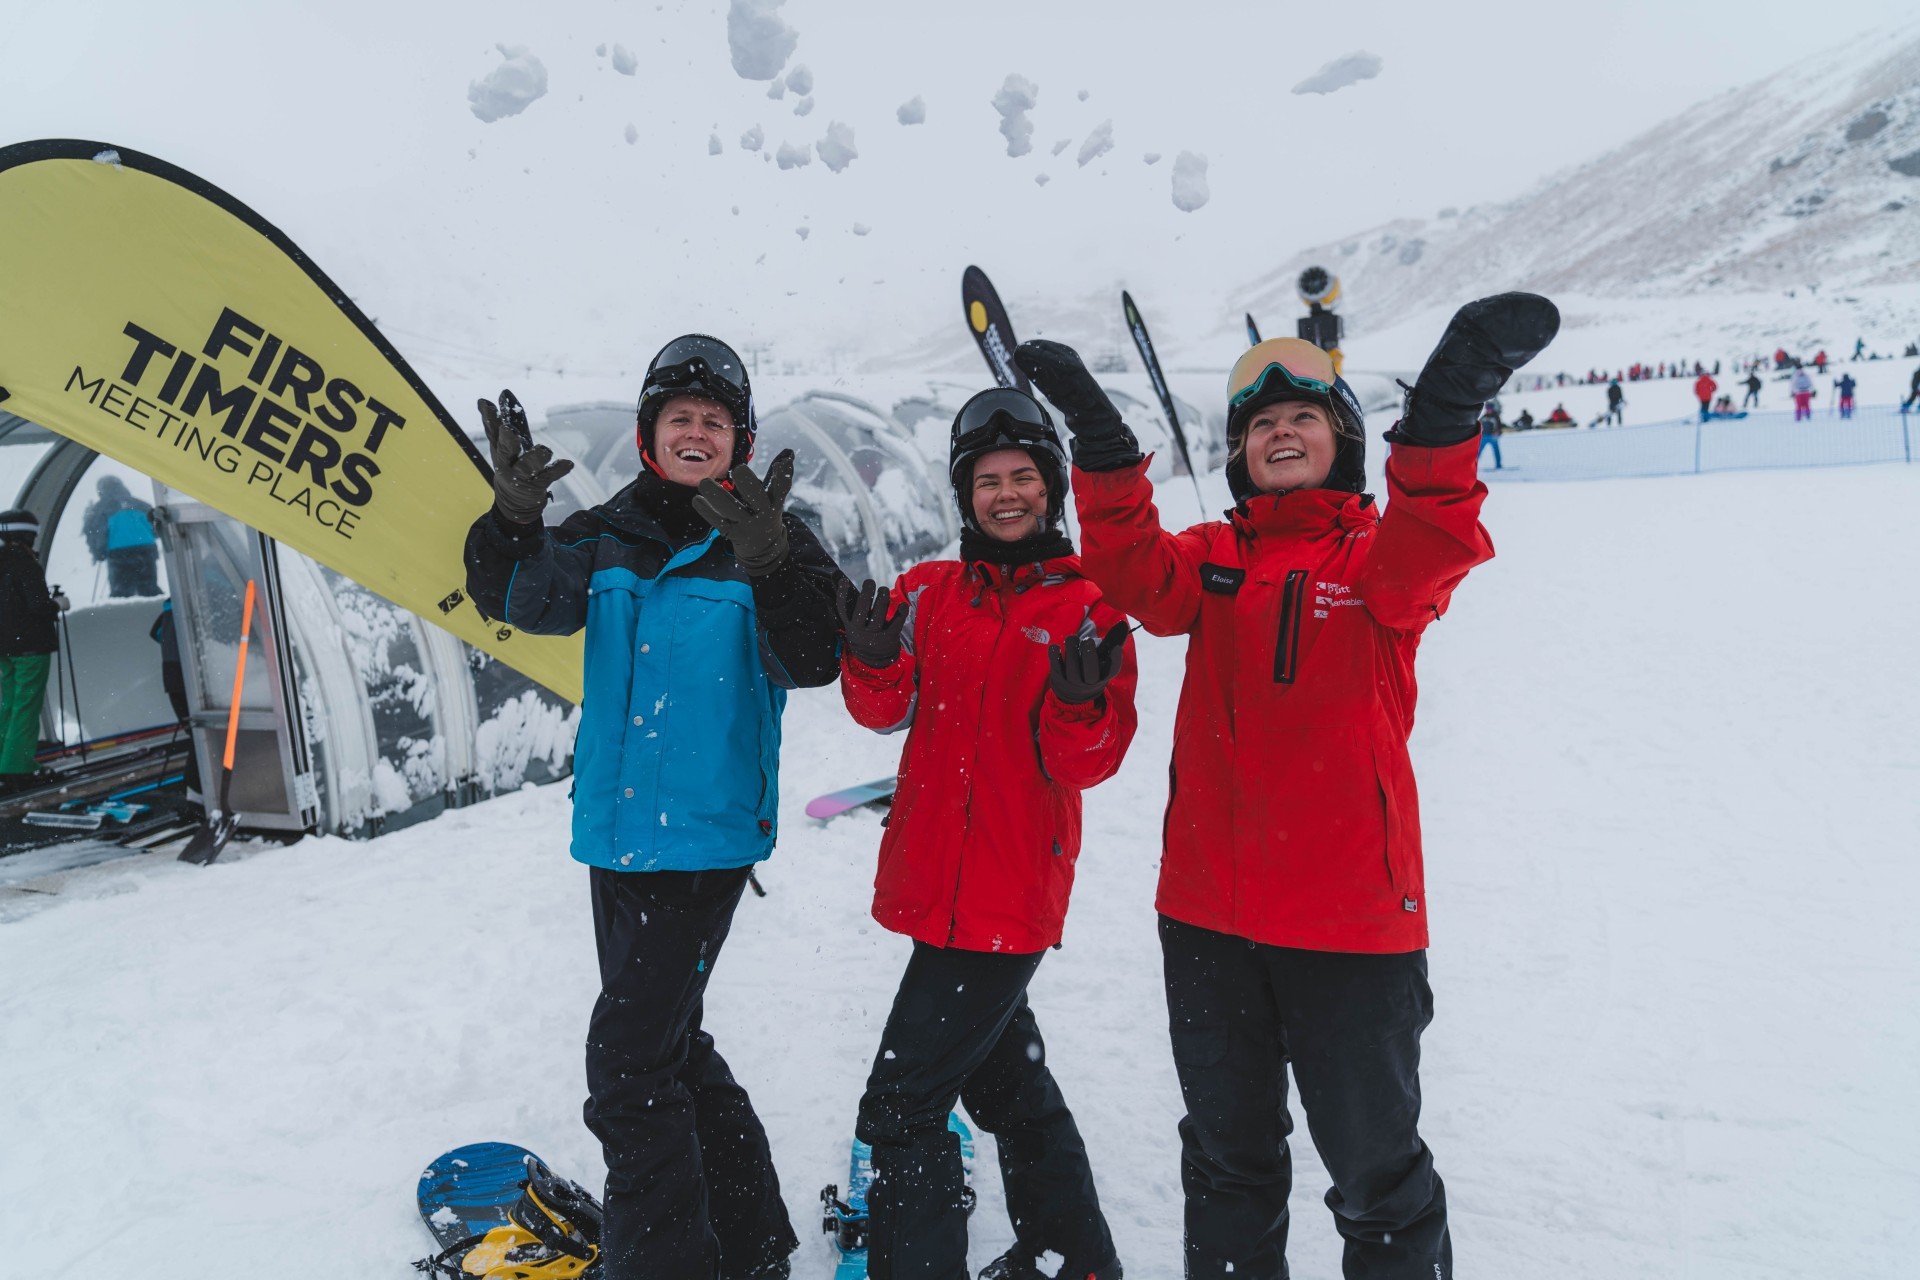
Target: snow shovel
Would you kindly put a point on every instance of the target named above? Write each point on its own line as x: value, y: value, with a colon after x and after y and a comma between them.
x: 214, y: 833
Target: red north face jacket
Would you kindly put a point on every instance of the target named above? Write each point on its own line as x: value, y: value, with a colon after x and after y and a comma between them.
x: 1291, y: 815
x: 985, y: 827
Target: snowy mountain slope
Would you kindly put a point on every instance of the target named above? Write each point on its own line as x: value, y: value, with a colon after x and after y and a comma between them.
x: 1669, y: 844
x: 1807, y: 179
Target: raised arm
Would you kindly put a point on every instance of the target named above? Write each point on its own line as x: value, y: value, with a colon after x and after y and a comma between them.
x: 878, y: 678
x: 517, y: 571
x: 1430, y: 535
x: 799, y: 635
x: 1140, y: 568
x: 1137, y: 565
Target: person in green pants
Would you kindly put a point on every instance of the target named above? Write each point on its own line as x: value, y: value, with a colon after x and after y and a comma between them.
x: 29, y: 615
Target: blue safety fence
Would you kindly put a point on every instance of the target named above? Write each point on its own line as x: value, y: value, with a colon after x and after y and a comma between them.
x: 1760, y: 440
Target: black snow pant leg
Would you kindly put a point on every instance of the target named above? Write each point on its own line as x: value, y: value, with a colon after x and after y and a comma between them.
x: 691, y: 1193
x: 1350, y: 1024
x: 1043, y: 1160
x: 1235, y: 1168
x: 960, y: 1029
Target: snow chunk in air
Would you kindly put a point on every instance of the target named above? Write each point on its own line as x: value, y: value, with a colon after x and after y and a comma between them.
x: 913, y: 112
x: 800, y: 80
x: 1017, y: 96
x: 713, y: 144
x: 509, y: 88
x: 1342, y: 72
x: 836, y: 149
x: 792, y: 157
x: 752, y: 139
x: 1152, y: 157
x: 623, y: 61
x: 1041, y: 179
x: 861, y: 228
x: 777, y: 90
x: 1190, y: 181
x: 1084, y: 95
x: 633, y: 134
x: 803, y: 232
x: 757, y: 40
x: 1098, y: 143
x: 1062, y: 145
x: 803, y: 106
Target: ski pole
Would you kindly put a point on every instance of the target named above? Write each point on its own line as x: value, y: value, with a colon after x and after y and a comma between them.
x: 73, y: 678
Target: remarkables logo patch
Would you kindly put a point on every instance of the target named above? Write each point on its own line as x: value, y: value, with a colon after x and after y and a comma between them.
x: 249, y: 404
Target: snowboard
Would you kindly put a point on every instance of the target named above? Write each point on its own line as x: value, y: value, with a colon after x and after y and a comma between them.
x: 467, y: 1199
x: 835, y: 803
x: 846, y: 1220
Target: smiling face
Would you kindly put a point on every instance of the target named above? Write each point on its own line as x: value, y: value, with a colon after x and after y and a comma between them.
x: 1289, y: 445
x: 693, y: 440
x: 1009, y: 495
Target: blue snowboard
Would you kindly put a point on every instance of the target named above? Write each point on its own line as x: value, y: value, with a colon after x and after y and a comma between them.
x: 471, y: 1191
x: 846, y: 1220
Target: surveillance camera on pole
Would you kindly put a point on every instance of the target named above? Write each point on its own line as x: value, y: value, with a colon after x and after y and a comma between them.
x: 1319, y: 290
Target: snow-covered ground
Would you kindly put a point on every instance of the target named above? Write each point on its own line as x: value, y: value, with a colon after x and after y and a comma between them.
x: 1669, y: 765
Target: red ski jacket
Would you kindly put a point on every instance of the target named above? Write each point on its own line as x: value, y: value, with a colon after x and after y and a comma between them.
x: 985, y: 828
x: 1704, y: 386
x: 1291, y: 812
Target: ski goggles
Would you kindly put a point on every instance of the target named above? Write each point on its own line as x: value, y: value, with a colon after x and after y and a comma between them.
x: 1002, y: 418
x: 1278, y: 366
x: 699, y: 363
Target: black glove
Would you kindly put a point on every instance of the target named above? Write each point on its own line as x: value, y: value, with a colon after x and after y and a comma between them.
x: 1101, y: 441
x: 1081, y: 667
x: 752, y: 516
x: 871, y: 635
x: 1484, y: 343
x: 523, y: 471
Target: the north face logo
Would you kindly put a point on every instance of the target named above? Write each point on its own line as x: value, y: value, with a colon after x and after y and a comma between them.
x: 1037, y: 634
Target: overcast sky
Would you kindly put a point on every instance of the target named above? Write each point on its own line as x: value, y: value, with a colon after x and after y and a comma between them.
x: 556, y: 242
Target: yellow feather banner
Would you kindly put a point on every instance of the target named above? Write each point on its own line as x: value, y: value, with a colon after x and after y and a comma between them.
x: 156, y: 319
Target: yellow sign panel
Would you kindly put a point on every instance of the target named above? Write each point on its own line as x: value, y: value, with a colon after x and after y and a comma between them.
x: 154, y: 318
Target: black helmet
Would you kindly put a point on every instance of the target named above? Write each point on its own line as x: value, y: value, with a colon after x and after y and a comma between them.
x: 1003, y: 418
x: 19, y: 525
x: 697, y: 365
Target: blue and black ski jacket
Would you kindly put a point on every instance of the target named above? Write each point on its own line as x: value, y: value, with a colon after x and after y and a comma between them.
x: 676, y: 767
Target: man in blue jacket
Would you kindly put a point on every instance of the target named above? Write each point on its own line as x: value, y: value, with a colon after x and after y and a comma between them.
x: 702, y: 603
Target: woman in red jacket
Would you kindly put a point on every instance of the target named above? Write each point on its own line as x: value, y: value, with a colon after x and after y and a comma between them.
x: 1292, y: 899
x: 1014, y: 681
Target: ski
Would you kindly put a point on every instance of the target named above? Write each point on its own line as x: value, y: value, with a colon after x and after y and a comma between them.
x: 1138, y: 328
x: 987, y: 322
x: 1253, y: 331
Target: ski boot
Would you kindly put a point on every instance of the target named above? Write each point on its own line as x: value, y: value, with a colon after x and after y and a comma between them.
x: 1484, y: 343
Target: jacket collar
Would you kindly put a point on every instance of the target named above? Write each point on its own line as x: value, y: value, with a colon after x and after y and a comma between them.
x: 1304, y: 513
x: 1019, y: 577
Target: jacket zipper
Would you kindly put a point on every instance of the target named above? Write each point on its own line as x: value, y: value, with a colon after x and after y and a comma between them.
x: 1286, y: 650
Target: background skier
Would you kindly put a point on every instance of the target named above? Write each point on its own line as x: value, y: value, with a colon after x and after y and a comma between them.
x: 29, y: 621
x: 675, y: 783
x: 1014, y: 681
x: 1703, y: 388
x: 1847, y: 385
x: 1616, y: 400
x: 1752, y: 385
x: 1802, y: 389
x: 119, y: 531
x: 1292, y: 897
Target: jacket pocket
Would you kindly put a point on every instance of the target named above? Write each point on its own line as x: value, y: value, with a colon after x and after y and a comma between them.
x: 1286, y: 648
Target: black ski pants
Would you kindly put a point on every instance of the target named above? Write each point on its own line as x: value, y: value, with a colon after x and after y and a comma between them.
x: 961, y: 1029
x: 691, y: 1191
x: 1350, y: 1025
